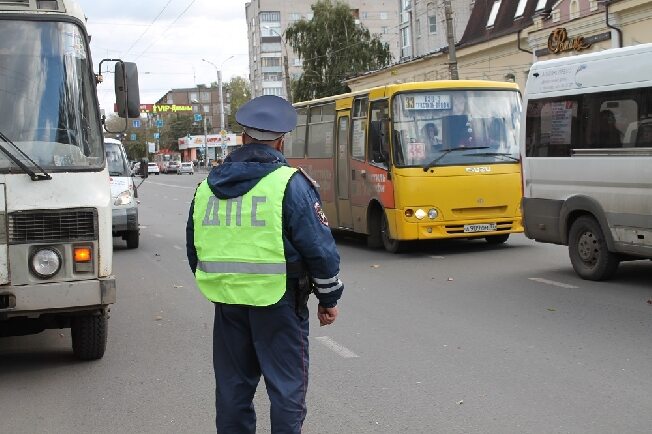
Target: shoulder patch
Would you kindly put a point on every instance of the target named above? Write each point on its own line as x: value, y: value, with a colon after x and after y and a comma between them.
x: 314, y: 183
x: 321, y: 216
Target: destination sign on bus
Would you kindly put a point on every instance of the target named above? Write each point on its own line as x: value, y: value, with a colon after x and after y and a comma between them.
x: 427, y: 102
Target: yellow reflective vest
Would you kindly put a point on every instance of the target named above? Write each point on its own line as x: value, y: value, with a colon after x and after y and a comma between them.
x: 239, y: 242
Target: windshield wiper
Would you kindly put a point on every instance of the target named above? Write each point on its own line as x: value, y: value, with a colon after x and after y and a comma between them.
x: 43, y: 176
x: 448, y: 151
x: 495, y: 154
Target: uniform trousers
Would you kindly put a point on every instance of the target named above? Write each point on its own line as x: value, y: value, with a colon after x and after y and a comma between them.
x: 250, y: 341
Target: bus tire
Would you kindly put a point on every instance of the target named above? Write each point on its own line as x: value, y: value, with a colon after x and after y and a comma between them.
x: 133, y: 239
x: 89, y: 336
x: 588, y: 251
x: 374, y: 239
x: 496, y: 239
x: 390, y: 244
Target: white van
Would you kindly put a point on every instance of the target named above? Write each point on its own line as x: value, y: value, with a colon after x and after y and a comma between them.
x: 587, y: 157
x: 123, y: 194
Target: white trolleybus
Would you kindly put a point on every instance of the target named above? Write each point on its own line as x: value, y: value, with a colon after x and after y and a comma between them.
x: 587, y: 166
x: 55, y: 200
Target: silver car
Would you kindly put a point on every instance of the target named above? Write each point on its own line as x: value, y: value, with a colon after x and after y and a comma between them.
x: 188, y: 168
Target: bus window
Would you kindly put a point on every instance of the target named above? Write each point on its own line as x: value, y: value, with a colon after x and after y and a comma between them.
x: 378, y: 133
x: 358, y: 128
x: 295, y: 145
x: 320, y: 131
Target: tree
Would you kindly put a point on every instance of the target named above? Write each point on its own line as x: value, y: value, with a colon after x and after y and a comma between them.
x: 240, y: 91
x: 333, y: 47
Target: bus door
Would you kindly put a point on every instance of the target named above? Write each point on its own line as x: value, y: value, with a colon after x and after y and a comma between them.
x: 345, y: 217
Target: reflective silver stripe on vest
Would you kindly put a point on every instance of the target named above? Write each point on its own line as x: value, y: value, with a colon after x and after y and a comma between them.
x: 240, y: 267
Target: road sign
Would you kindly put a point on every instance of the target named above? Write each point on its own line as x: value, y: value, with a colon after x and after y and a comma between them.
x: 159, y: 123
x: 136, y: 123
x: 133, y: 137
x: 198, y: 117
x: 157, y: 135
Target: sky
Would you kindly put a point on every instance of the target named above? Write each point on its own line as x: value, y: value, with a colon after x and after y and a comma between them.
x: 168, y: 40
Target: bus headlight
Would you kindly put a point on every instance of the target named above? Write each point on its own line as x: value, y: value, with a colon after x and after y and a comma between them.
x: 123, y: 198
x: 419, y: 214
x: 432, y: 213
x: 45, y: 263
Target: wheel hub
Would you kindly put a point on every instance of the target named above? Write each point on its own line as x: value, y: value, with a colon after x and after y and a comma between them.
x: 588, y: 247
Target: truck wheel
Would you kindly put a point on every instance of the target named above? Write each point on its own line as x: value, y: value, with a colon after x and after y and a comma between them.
x: 588, y: 252
x: 89, y: 336
x: 390, y: 244
x: 496, y: 239
x: 132, y: 238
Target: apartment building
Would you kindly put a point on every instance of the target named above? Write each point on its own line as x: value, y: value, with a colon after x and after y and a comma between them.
x: 422, y: 28
x: 203, y: 100
x: 268, y: 19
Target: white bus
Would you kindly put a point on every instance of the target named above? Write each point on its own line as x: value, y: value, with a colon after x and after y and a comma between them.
x: 587, y: 157
x: 55, y: 199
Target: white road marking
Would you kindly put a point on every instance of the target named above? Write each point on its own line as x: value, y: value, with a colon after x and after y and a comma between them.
x: 552, y: 282
x: 339, y: 349
x: 177, y: 247
x: 170, y: 185
x: 158, y: 235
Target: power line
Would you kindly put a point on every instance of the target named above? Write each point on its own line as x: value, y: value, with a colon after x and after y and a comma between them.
x: 149, y: 26
x: 168, y: 28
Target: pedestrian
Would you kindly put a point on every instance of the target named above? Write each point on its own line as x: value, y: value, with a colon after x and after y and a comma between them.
x: 258, y: 242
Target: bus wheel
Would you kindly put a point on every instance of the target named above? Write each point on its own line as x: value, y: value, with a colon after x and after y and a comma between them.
x: 496, y: 239
x: 374, y: 239
x: 390, y: 244
x: 588, y: 252
x: 89, y: 336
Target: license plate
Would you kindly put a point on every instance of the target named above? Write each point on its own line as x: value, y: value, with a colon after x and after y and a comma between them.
x: 481, y: 227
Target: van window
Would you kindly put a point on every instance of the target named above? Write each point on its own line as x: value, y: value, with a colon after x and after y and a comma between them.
x: 612, y: 120
x: 116, y: 160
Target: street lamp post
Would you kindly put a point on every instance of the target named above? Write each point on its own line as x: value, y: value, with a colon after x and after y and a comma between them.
x: 219, y: 87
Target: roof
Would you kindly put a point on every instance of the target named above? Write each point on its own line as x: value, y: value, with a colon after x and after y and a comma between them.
x: 505, y: 22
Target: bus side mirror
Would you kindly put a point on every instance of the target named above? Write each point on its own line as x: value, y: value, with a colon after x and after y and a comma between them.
x: 143, y: 170
x: 127, y: 93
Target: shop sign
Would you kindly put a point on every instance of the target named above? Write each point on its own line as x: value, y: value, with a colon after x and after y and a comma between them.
x: 558, y: 42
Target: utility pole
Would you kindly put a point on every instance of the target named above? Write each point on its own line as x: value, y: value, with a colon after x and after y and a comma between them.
x: 450, y: 34
x: 205, y: 143
x: 288, y: 88
x: 219, y: 85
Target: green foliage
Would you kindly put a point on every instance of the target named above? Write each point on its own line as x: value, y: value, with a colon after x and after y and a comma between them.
x: 240, y: 90
x: 333, y: 47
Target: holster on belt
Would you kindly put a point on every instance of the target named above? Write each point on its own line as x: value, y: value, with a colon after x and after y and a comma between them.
x: 303, y: 289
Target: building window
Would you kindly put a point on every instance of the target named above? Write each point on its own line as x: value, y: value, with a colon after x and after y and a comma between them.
x: 272, y: 76
x: 294, y: 16
x: 277, y: 91
x: 405, y: 42
x: 432, y: 24
x: 383, y: 15
x: 364, y: 15
x: 556, y: 16
x: 574, y: 9
x: 195, y: 109
x: 204, y: 97
x: 540, y: 5
x: 270, y: 17
x: 593, y: 5
x: 270, y: 61
x: 193, y: 96
x: 298, y: 61
x: 418, y: 27
x: 493, y: 14
x: 520, y: 8
x: 309, y: 16
x: 207, y: 108
x: 383, y: 30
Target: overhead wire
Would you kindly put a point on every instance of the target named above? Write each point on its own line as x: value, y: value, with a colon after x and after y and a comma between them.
x: 148, y: 27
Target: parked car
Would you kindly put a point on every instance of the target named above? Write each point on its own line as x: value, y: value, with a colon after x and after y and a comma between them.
x: 172, y: 167
x: 186, y: 168
x: 153, y: 168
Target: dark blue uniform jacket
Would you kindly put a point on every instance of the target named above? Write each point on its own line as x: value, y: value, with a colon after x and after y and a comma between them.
x: 306, y: 235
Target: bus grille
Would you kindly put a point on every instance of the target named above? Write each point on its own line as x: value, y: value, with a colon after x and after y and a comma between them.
x: 53, y: 226
x: 459, y: 229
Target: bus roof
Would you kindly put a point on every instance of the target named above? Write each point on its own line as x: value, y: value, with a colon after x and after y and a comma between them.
x: 390, y: 89
x: 593, y: 72
x: 63, y: 7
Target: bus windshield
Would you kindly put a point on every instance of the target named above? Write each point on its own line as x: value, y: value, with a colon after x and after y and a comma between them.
x: 47, y: 95
x: 427, y: 125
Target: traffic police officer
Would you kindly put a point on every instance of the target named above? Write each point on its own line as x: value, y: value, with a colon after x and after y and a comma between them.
x: 255, y: 232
